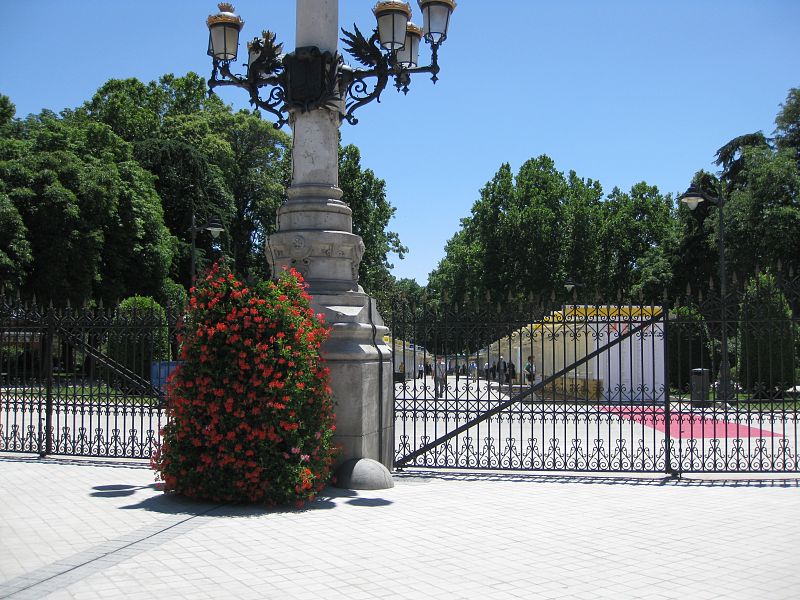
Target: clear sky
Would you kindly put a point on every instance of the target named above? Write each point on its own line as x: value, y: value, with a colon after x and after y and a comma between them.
x: 620, y: 91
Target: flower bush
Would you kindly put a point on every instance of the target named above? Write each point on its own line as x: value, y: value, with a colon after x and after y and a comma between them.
x: 250, y: 409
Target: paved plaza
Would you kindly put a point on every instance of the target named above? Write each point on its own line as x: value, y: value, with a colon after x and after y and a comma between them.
x: 73, y: 528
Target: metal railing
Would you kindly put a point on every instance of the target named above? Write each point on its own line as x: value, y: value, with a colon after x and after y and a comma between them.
x: 617, y: 387
x: 86, y: 382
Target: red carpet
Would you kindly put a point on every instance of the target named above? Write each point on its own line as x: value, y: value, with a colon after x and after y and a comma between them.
x: 687, y: 425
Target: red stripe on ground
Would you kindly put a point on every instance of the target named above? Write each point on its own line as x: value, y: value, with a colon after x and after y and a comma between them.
x: 687, y: 425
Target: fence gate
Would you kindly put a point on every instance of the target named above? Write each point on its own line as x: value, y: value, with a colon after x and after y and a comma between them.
x: 616, y: 388
x: 83, y: 382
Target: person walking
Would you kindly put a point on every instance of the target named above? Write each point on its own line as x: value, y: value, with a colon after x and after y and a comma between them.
x: 502, y: 367
x: 440, y: 378
x: 530, y: 370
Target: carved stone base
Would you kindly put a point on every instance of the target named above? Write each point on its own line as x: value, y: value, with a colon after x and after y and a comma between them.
x: 361, y: 376
x: 327, y: 259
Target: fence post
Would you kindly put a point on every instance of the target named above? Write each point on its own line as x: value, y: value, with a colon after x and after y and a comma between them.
x: 47, y: 357
x: 667, y: 408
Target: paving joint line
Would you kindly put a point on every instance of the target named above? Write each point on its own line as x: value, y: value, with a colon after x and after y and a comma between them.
x: 25, y: 586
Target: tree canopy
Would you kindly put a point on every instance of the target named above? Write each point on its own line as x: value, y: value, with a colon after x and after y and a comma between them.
x: 531, y: 231
x: 97, y: 202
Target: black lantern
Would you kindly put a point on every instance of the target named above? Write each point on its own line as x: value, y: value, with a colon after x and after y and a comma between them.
x: 693, y: 197
x: 392, y: 19
x: 436, y: 18
x: 223, y: 33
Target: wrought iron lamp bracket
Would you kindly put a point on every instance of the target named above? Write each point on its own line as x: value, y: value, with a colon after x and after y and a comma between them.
x: 381, y: 66
x: 308, y: 78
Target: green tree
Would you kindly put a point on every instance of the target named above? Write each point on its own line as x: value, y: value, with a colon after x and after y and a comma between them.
x: 94, y: 221
x: 689, y: 344
x: 257, y: 176
x: 365, y: 194
x: 636, y: 226
x: 15, y: 251
x: 234, y: 166
x: 730, y: 158
x: 787, y: 132
x: 140, y: 335
x: 528, y: 234
x: 186, y: 185
x: 762, y: 217
x: 767, y: 339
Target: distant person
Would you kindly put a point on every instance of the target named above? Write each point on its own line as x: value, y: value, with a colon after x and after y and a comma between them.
x: 420, y: 371
x: 530, y: 370
x: 511, y: 374
x: 440, y: 378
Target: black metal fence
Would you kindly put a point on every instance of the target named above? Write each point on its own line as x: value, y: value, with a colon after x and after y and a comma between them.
x: 698, y: 383
x: 602, y: 387
x: 83, y: 382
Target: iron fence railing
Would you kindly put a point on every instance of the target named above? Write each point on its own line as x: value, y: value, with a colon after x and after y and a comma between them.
x: 624, y: 386
x: 87, y: 382
x: 612, y: 387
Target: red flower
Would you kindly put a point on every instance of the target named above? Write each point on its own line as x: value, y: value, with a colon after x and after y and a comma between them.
x: 227, y: 405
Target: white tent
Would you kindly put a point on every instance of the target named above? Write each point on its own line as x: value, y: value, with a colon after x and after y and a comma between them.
x: 622, y: 368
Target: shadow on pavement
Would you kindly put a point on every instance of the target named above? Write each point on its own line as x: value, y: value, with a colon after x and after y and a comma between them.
x: 120, y: 491
x: 117, y: 463
x: 175, y: 504
x: 689, y: 480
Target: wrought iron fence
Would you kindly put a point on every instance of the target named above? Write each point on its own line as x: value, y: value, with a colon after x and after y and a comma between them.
x: 83, y: 382
x: 602, y: 387
x: 624, y: 386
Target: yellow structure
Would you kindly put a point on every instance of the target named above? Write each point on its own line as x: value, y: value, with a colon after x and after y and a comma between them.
x: 630, y: 369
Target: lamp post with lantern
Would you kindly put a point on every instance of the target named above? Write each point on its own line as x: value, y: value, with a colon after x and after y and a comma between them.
x: 313, y: 90
x: 692, y: 198
x: 214, y: 227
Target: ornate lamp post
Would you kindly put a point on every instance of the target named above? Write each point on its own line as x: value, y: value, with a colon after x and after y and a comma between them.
x: 314, y: 91
x: 694, y: 197
x: 313, y: 78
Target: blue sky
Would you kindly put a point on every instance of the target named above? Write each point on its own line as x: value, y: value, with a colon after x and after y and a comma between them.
x: 620, y: 91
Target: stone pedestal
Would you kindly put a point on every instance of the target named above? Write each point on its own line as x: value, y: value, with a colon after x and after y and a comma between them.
x: 315, y: 237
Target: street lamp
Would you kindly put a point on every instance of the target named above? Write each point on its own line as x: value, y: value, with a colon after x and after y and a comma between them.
x: 309, y: 78
x: 570, y: 285
x: 313, y: 91
x: 213, y: 226
x: 694, y: 197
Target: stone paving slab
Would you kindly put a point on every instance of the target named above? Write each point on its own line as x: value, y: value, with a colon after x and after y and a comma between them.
x: 72, y: 528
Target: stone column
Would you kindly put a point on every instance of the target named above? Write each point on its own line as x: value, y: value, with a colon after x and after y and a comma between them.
x: 315, y: 236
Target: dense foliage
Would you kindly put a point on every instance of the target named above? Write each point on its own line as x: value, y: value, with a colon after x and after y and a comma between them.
x: 97, y: 202
x: 688, y: 343
x: 766, y: 363
x: 138, y: 336
x: 250, y: 409
x: 530, y: 232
